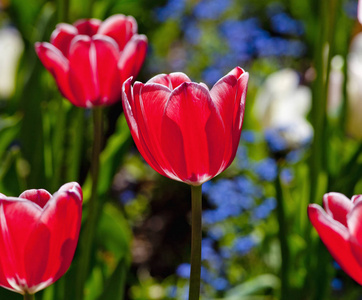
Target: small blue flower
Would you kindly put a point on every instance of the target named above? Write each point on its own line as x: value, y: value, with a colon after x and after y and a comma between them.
x: 220, y: 284
x: 243, y: 245
x: 337, y: 284
x: 267, y: 169
x: 275, y: 141
x: 284, y: 24
x: 127, y: 196
x: 211, y: 9
x: 183, y: 270
x: 287, y: 175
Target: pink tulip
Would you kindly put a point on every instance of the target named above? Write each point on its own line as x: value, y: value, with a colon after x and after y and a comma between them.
x: 184, y: 130
x: 340, y: 228
x: 38, y: 236
x: 91, y: 59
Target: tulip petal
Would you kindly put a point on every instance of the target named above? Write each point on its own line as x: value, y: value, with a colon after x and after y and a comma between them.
x: 150, y: 104
x: 88, y: 27
x: 132, y: 57
x: 223, y: 94
x: 55, y: 62
x: 192, y: 132
x: 336, y: 238
x: 337, y: 206
x: 132, y: 118
x: 120, y: 28
x: 82, y: 71
x: 40, y: 197
x: 65, y: 208
x: 18, y: 218
x: 356, y: 198
x: 62, y: 37
x: 172, y: 80
x: 107, y: 55
x: 354, y: 218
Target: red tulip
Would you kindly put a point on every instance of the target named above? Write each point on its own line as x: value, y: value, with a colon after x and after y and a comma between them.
x: 184, y: 130
x: 92, y: 59
x: 38, y: 236
x: 340, y: 228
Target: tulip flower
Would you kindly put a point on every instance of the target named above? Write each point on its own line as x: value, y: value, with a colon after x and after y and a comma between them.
x: 184, y: 130
x: 38, y: 236
x: 340, y: 228
x: 91, y: 59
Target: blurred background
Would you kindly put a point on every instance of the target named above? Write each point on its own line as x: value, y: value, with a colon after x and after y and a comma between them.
x: 301, y: 138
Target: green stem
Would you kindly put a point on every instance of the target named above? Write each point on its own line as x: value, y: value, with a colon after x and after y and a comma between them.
x: 93, y: 206
x: 196, y: 198
x: 29, y: 297
x: 76, y: 144
x: 282, y: 234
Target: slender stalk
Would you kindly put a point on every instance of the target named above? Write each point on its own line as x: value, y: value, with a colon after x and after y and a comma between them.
x: 282, y: 234
x: 196, y: 235
x: 93, y: 207
x: 29, y: 297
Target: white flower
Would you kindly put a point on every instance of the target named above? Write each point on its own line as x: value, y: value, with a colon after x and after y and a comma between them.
x: 11, y: 47
x: 282, y: 105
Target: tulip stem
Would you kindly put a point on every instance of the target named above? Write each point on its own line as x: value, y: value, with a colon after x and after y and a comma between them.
x: 93, y: 206
x: 29, y: 297
x: 196, y: 235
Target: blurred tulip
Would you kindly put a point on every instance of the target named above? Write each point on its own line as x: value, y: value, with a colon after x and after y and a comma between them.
x: 92, y: 59
x: 359, y: 11
x: 184, y: 130
x: 11, y: 48
x: 340, y: 228
x: 282, y: 105
x: 38, y: 236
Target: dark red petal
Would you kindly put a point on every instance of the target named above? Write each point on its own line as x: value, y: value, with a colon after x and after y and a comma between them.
x: 172, y: 80
x: 337, y: 206
x: 120, y: 28
x: 336, y: 238
x: 82, y: 71
x: 192, y: 132
x: 40, y: 197
x: 18, y: 218
x: 55, y: 62
x: 88, y: 26
x: 132, y: 57
x: 62, y: 37
x: 107, y: 54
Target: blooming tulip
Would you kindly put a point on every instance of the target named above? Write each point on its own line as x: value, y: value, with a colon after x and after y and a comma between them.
x: 91, y: 59
x: 184, y: 130
x: 38, y: 236
x: 340, y: 228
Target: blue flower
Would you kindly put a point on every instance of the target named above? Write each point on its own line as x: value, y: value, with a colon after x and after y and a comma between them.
x: 284, y: 24
x: 262, y: 211
x: 287, y: 175
x: 275, y: 140
x: 183, y: 270
x: 211, y: 9
x: 243, y: 245
x: 127, y: 196
x: 267, y: 169
x: 220, y: 284
x: 337, y: 284
x: 173, y: 10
